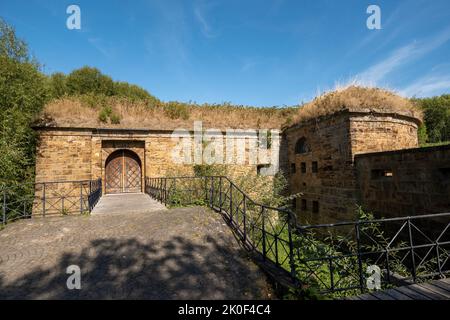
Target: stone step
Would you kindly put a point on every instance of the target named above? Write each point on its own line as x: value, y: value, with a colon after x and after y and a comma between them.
x: 127, y: 203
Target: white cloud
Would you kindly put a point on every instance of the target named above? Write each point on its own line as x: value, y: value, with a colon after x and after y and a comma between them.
x: 98, y: 44
x: 400, y: 57
x: 205, y: 26
x: 377, y: 72
x: 428, y: 86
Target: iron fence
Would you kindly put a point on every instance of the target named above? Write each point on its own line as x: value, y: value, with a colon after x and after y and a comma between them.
x: 336, y: 259
x: 48, y: 198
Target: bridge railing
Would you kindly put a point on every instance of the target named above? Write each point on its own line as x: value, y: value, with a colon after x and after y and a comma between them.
x: 262, y: 229
x: 48, y: 198
x: 354, y: 257
x: 339, y: 259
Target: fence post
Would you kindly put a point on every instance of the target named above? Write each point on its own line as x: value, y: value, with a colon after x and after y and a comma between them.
x: 211, y: 200
x: 220, y: 194
x: 263, y: 226
x: 231, y: 202
x: 413, y: 260
x: 244, y: 217
x: 43, y: 200
x: 81, y: 197
x: 165, y: 191
x: 358, y: 248
x: 291, y: 249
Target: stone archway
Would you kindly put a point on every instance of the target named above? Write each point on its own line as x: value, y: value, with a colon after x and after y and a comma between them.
x: 123, y: 172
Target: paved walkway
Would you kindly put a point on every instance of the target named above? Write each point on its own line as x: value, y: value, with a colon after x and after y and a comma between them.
x: 186, y: 253
x: 126, y: 203
x: 434, y: 290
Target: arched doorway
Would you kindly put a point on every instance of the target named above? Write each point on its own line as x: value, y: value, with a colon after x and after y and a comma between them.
x: 123, y: 172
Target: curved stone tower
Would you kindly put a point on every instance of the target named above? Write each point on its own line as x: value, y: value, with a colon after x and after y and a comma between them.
x: 321, y: 152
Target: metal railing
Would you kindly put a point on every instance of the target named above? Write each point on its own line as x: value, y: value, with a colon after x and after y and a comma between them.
x: 333, y: 258
x: 342, y: 257
x: 263, y: 230
x: 48, y: 198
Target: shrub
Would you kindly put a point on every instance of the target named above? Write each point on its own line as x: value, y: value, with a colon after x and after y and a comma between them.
x: 104, y: 114
x: 89, y: 80
x: 176, y: 110
x: 22, y: 96
x: 115, y: 118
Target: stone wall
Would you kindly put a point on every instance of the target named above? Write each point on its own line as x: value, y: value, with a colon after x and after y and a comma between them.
x: 325, y: 174
x: 332, y: 187
x: 64, y: 155
x: 81, y: 154
x: 375, y: 133
x: 405, y: 183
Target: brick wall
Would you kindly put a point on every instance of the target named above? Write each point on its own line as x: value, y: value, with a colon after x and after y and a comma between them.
x: 405, y: 183
x: 81, y: 154
x: 328, y: 184
x: 64, y: 155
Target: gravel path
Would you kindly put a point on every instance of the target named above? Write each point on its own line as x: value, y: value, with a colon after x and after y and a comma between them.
x: 186, y: 253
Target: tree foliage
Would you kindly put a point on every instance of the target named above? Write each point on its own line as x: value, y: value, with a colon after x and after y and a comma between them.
x: 23, y: 94
x: 92, y: 82
x: 436, y: 117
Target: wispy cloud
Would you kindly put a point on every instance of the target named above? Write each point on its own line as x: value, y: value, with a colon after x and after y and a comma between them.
x: 374, y: 74
x: 249, y: 64
x: 400, y: 57
x: 205, y: 26
x: 434, y: 83
x: 98, y: 44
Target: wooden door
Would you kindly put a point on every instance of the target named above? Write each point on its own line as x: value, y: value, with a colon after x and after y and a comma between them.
x: 123, y: 172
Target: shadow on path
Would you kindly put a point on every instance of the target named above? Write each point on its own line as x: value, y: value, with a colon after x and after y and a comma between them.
x: 116, y: 268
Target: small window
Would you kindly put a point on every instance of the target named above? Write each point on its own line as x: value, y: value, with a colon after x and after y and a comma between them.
x: 304, y: 207
x: 260, y: 168
x: 294, y: 203
x: 301, y: 146
x: 303, y: 164
x: 293, y: 168
x: 445, y: 173
x: 381, y: 173
x: 315, y: 167
x: 315, y: 207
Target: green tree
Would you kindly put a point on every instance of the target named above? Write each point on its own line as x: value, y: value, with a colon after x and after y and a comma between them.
x: 132, y: 92
x: 22, y: 96
x: 437, y: 117
x: 57, y: 84
x: 89, y: 80
x: 10, y: 45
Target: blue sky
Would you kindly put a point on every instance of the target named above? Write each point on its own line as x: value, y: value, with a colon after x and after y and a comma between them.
x: 263, y: 53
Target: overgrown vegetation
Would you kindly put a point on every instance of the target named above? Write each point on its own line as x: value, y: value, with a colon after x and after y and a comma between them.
x: 329, y: 261
x: 436, y: 127
x: 23, y: 95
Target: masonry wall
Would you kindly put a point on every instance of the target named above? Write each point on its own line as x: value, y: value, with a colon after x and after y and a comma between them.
x: 81, y: 154
x: 332, y: 187
x: 63, y: 156
x: 405, y: 183
x: 375, y: 133
x: 331, y: 193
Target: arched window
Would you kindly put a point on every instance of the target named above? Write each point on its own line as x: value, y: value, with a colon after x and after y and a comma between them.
x: 301, y: 146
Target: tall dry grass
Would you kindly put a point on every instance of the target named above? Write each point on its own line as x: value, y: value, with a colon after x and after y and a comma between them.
x: 356, y: 98
x: 84, y: 111
x: 73, y: 111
